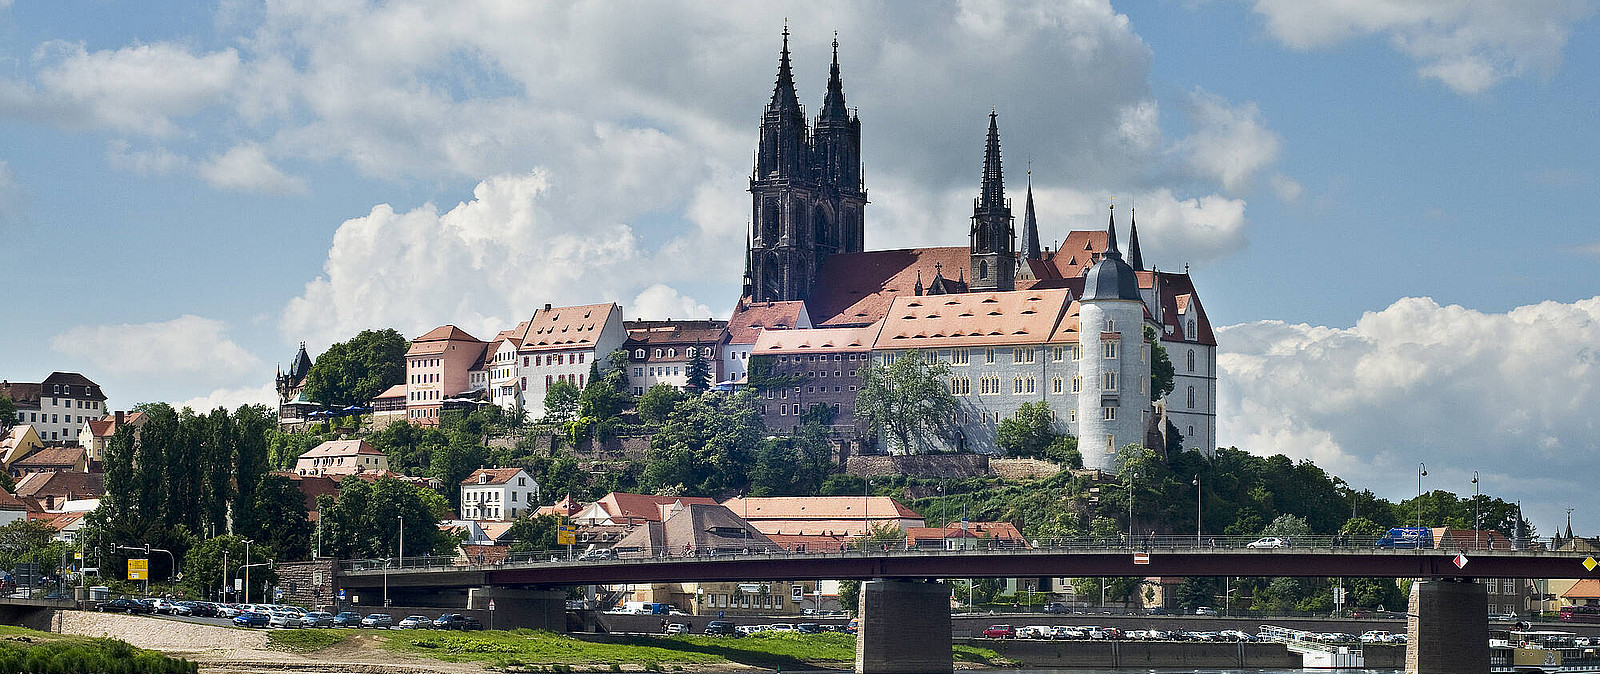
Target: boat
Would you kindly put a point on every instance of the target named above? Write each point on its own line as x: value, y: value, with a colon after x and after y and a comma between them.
x: 1546, y: 651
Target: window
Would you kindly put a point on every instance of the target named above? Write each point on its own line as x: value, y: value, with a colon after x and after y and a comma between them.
x: 1111, y: 443
x: 1191, y: 430
x: 1191, y: 360
x: 1110, y: 381
x: 638, y: 372
x: 672, y: 353
x: 960, y: 357
x: 1109, y: 349
x: 1108, y: 413
x: 988, y: 356
x: 580, y: 357
x: 1028, y: 385
x: 1016, y: 386
x: 1077, y: 384
x: 1056, y: 353
x: 638, y: 353
x: 689, y: 352
x: 1056, y: 385
x: 1111, y: 325
x: 1077, y: 352
x: 1022, y: 354
x: 1191, y: 397
x: 1188, y: 329
x: 658, y: 353
x: 1072, y: 415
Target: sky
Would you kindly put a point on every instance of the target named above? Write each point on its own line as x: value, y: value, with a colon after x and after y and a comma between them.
x: 1385, y: 204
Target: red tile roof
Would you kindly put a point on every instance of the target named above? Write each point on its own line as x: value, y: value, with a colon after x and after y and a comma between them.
x: 51, y: 457
x: 818, y: 507
x: 396, y: 391
x: 750, y: 318
x: 485, y: 554
x: 1587, y: 588
x: 438, y: 340
x: 857, y: 288
x: 991, y: 318
x: 341, y: 448
x: 496, y: 476
x: 11, y: 502
x: 566, y: 327
x: 68, y: 484
x: 815, y: 340
x: 648, y: 507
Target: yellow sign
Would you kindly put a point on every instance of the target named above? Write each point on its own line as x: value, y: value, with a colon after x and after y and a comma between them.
x: 138, y: 569
x: 566, y: 534
x: 1589, y: 563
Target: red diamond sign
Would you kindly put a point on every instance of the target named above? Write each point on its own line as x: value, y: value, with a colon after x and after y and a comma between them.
x: 1460, y: 561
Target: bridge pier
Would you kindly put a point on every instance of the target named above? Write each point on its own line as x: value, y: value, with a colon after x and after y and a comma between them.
x: 905, y: 628
x: 1447, y: 627
x: 513, y: 608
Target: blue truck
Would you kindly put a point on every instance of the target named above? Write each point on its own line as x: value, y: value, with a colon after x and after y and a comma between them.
x: 1407, y: 538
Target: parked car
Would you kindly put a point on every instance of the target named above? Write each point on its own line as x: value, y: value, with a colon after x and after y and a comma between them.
x: 1375, y: 637
x: 226, y: 611
x: 1000, y: 632
x: 721, y: 628
x: 1034, y: 632
x: 781, y: 627
x: 1065, y: 632
x: 416, y: 622
x: 317, y: 619
x: 378, y: 620
x: 598, y: 554
x: 1205, y: 610
x: 448, y: 621
x: 1503, y: 617
x: 347, y: 619
x: 122, y: 606
x: 1268, y: 543
x: 1057, y: 607
x: 470, y: 623
x: 677, y: 628
x: 283, y: 619
x: 252, y: 619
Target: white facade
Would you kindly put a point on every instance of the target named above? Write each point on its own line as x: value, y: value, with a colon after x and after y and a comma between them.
x: 561, y: 344
x: 505, y: 381
x: 1114, y: 407
x: 498, y: 494
x: 1192, y: 405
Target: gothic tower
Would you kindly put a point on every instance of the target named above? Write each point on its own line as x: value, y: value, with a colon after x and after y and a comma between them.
x: 994, y: 258
x: 807, y: 199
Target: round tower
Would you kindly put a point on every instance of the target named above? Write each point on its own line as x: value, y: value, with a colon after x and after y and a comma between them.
x: 1111, y: 406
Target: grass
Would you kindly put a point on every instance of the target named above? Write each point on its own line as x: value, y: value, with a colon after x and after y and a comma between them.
x: 305, y: 641
x: 25, y: 650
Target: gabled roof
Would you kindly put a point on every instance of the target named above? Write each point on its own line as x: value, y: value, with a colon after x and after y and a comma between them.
x: 25, y: 395
x: 981, y: 318
x: 396, y: 391
x: 818, y: 507
x: 1004, y: 531
x: 698, y: 527
x: 485, y: 554
x: 574, y: 327
x: 815, y: 340
x: 495, y: 530
x: 751, y: 318
x: 439, y: 340
x: 857, y: 288
x: 645, y: 507
x: 1587, y: 588
x: 52, y: 456
x: 341, y: 448
x: 495, y: 475
x: 69, y: 484
x: 647, y: 333
x: 566, y: 507
x: 107, y: 426
x: 11, y: 502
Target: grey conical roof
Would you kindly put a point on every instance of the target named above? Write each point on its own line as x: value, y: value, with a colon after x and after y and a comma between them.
x: 1111, y: 278
x: 301, y: 364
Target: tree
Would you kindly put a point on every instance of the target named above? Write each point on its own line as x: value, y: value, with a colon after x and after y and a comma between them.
x: 601, y: 400
x: 850, y: 595
x: 1064, y: 452
x: 530, y: 533
x: 280, y: 511
x: 453, y: 462
x: 698, y: 372
x: 363, y: 521
x: 210, y: 565
x: 908, y: 402
x: 354, y: 372
x: 1287, y: 526
x: 705, y: 446
x: 8, y: 414
x: 1030, y: 432
x: 658, y: 401
x: 1161, y: 370
x: 561, y: 401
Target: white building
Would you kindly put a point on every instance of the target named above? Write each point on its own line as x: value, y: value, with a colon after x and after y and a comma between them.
x: 59, y: 407
x: 748, y: 321
x: 561, y: 343
x: 498, y: 494
x: 341, y: 457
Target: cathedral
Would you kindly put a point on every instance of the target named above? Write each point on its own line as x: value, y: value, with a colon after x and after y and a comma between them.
x: 1068, y: 327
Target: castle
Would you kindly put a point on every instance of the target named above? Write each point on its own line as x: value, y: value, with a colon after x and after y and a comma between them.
x: 1066, y: 327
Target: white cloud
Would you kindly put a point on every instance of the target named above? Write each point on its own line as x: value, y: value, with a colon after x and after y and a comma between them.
x: 661, y: 302
x: 1468, y: 45
x: 188, y: 347
x: 245, y: 168
x: 158, y: 161
x: 232, y: 398
x: 1287, y: 189
x: 1229, y: 143
x: 140, y: 88
x: 1459, y: 389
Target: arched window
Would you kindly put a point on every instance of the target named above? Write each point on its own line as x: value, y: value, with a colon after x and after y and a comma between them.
x: 1191, y: 360
x: 1188, y: 330
x: 820, y: 230
x: 769, y: 221
x: 658, y: 353
x: 638, y: 353
x: 689, y: 352
x: 672, y: 353
x: 1191, y: 397
x: 983, y: 269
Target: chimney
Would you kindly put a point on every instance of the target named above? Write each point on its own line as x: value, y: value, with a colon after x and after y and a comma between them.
x: 547, y: 306
x: 119, y: 417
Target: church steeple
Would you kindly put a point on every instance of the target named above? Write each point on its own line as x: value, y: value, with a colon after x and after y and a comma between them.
x: 1030, y: 226
x: 1135, y: 259
x: 833, y: 109
x: 782, y: 152
x: 994, y: 237
x: 783, y: 95
x: 1111, y: 235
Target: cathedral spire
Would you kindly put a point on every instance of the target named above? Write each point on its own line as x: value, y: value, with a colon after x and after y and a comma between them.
x: 1135, y: 259
x: 833, y: 108
x: 994, y: 190
x: 1030, y: 226
x: 783, y: 96
x: 1111, y: 235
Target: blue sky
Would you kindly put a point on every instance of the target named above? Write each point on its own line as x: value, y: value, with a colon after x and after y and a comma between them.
x: 1382, y: 200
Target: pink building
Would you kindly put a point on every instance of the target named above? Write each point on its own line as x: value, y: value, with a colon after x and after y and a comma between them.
x: 437, y: 368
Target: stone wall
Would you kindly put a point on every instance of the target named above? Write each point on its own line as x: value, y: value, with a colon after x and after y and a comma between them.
x: 923, y: 465
x: 308, y: 584
x: 1023, y: 469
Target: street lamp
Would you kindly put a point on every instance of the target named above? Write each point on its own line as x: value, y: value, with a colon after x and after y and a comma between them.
x: 1477, y: 517
x: 1131, y: 477
x: 247, y: 565
x: 866, y: 527
x: 402, y: 561
x: 1197, y: 510
x: 1422, y: 472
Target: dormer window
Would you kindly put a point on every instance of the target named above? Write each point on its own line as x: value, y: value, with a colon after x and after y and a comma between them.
x: 483, y: 478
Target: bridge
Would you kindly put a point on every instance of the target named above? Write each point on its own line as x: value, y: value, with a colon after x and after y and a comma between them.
x: 906, y: 617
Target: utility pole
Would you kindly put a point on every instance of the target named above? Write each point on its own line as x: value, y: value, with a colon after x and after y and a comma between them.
x: 247, y: 543
x: 223, y: 596
x: 402, y: 561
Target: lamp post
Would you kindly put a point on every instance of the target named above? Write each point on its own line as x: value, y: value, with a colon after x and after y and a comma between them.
x: 402, y: 561
x: 866, y: 527
x: 247, y: 543
x: 1477, y: 517
x: 1131, y: 477
x: 1422, y: 472
x: 1197, y: 510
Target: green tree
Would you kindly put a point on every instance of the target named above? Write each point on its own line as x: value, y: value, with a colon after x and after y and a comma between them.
x: 1028, y: 433
x: 8, y: 414
x: 1287, y: 526
x: 698, y: 373
x: 601, y: 400
x: 212, y: 564
x: 530, y: 533
x: 453, y: 462
x: 907, y: 401
x: 354, y: 372
x: 775, y: 467
x: 1361, y: 527
x: 705, y: 446
x: 657, y: 402
x: 280, y: 508
x: 363, y: 521
x: 850, y: 595
x: 561, y: 401
x: 1161, y: 370
x: 1064, y: 451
